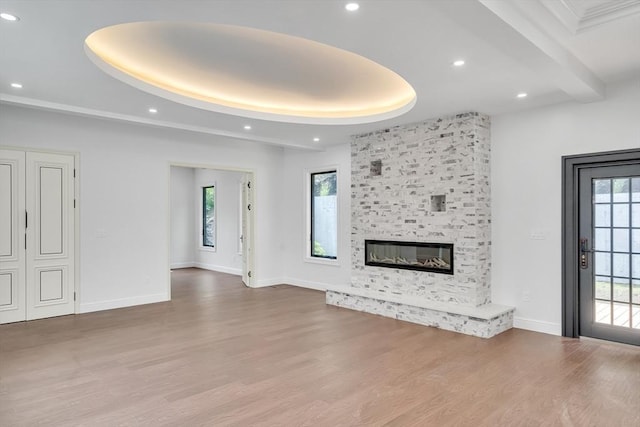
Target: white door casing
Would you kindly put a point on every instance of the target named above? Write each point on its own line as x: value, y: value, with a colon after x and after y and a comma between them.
x: 247, y: 230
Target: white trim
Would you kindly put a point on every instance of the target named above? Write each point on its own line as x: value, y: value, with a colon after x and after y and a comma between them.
x: 249, y: 245
x: 318, y: 286
x: 320, y: 260
x: 210, y: 166
x: 268, y: 282
x: 577, y: 19
x: 122, y: 302
x: 6, y: 98
x: 537, y: 326
x: 218, y: 268
x: 240, y: 209
x: 188, y: 264
x: 77, y: 254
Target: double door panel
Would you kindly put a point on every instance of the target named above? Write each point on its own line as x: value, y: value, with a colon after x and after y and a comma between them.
x: 36, y: 235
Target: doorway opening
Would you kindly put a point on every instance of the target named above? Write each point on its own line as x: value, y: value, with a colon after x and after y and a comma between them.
x: 211, y: 219
x: 601, y: 246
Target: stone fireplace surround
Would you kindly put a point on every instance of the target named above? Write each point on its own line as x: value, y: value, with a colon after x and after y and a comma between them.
x: 396, y: 175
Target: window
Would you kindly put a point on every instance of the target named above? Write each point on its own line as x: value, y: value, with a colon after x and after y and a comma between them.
x: 208, y: 216
x: 324, y: 215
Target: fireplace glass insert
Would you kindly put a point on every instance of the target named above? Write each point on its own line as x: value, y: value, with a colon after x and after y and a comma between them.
x: 433, y: 257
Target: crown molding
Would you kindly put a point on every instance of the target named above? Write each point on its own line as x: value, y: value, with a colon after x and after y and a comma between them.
x: 89, y: 112
x: 577, y: 17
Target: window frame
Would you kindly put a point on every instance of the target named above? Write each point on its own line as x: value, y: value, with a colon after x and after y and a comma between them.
x: 308, y: 183
x: 202, y: 217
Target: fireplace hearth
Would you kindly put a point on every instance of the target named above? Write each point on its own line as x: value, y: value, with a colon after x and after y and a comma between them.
x: 425, y: 182
x: 429, y: 257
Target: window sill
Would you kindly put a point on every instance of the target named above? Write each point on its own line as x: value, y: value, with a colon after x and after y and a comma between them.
x: 323, y: 261
x: 207, y: 249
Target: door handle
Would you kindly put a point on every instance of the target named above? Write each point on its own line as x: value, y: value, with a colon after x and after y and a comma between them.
x: 584, y: 250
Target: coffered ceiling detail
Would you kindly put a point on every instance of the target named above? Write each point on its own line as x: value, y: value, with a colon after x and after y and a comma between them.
x: 582, y: 15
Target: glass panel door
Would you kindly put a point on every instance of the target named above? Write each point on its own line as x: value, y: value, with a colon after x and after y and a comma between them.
x: 610, y: 253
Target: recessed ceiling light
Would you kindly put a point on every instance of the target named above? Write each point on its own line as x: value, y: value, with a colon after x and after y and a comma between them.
x: 153, y: 110
x: 352, y: 7
x: 458, y: 63
x: 9, y: 17
x: 522, y: 95
x: 16, y: 85
x: 247, y: 127
x: 316, y: 139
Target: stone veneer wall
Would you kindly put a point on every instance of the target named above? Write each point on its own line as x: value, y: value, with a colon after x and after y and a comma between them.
x: 447, y: 156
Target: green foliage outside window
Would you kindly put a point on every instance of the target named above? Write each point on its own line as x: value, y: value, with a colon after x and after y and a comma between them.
x: 208, y: 216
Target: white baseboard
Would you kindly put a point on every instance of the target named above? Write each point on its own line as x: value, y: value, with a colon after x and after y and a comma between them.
x: 122, y: 302
x: 219, y: 268
x: 268, y: 282
x: 537, y: 326
x: 318, y: 286
x: 182, y: 265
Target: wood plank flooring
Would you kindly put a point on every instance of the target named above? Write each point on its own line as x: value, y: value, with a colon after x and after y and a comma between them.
x: 222, y: 354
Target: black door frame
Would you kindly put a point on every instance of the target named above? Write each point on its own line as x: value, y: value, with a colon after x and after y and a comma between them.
x: 571, y: 166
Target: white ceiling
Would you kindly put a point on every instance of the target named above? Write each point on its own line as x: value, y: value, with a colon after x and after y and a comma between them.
x: 250, y: 73
x: 509, y: 47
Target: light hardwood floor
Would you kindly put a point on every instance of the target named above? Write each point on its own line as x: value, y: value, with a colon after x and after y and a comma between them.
x: 222, y: 354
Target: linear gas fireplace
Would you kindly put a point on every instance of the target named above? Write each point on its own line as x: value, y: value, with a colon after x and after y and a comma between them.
x: 433, y: 257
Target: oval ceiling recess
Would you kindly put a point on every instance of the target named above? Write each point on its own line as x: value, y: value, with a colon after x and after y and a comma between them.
x: 251, y: 73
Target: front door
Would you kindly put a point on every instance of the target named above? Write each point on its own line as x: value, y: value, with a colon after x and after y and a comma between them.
x: 609, y: 253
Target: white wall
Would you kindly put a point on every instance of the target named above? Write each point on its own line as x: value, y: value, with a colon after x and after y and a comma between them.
x: 225, y: 257
x: 124, y: 191
x: 526, y: 194
x: 299, y: 271
x: 183, y: 225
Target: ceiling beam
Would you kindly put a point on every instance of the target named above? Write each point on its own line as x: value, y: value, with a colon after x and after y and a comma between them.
x: 566, y: 70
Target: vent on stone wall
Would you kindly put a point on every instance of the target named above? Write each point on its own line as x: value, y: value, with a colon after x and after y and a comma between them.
x: 376, y: 168
x: 439, y: 203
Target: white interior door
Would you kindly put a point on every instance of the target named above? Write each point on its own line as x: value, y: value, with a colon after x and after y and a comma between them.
x: 247, y: 230
x: 12, y: 236
x: 37, y: 235
x: 50, y: 232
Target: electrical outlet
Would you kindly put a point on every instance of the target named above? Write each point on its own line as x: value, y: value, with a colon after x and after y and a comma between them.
x: 526, y: 296
x: 537, y: 235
